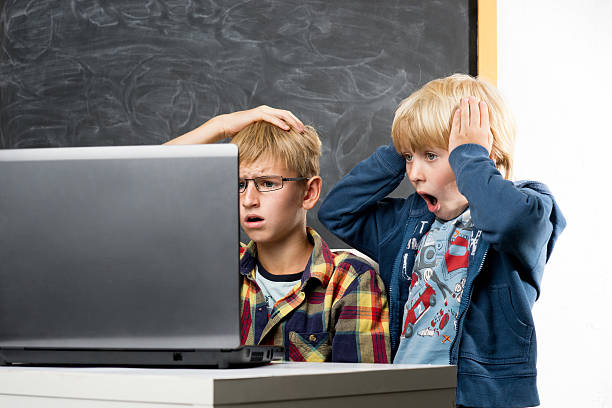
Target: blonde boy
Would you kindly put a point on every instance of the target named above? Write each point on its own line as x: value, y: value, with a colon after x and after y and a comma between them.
x: 463, y: 256
x: 319, y: 305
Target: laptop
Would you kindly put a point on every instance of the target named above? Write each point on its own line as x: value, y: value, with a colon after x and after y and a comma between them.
x: 121, y: 256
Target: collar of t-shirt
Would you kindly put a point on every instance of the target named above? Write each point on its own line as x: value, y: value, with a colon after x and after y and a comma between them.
x: 463, y: 220
x: 275, y: 287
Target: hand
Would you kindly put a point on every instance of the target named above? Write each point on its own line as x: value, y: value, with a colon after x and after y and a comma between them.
x: 471, y: 125
x: 227, y: 125
x: 233, y: 123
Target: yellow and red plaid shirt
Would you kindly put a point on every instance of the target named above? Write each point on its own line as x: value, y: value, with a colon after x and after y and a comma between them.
x: 338, y: 311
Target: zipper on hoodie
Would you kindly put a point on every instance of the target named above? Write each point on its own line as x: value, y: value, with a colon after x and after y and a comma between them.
x: 398, y: 272
x: 408, y: 236
x: 465, y: 302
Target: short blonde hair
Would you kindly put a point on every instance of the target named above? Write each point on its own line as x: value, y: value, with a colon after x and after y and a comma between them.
x: 298, y: 151
x: 425, y: 117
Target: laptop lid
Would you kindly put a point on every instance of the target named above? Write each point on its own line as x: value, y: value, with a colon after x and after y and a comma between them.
x: 132, y: 247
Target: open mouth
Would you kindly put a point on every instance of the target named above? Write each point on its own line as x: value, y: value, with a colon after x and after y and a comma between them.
x: 432, y: 202
x: 253, y: 220
x: 431, y: 199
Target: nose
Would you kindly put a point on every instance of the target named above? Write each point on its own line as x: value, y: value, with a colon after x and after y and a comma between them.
x: 415, y: 171
x: 250, y: 197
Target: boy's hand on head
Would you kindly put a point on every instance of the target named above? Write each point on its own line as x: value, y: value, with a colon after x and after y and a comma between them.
x: 471, y: 125
x: 227, y: 125
x: 233, y: 123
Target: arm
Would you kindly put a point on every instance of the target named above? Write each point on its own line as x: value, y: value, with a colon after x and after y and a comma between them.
x: 356, y: 209
x: 513, y: 220
x: 362, y: 325
x: 227, y: 125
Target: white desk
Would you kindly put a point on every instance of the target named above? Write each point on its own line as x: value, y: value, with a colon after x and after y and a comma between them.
x: 311, y: 385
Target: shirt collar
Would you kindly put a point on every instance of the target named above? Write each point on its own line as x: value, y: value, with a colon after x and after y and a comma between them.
x: 320, y: 266
x: 462, y: 219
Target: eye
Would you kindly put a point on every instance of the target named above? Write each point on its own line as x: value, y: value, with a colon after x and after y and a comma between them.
x: 268, y: 183
x: 408, y: 157
x: 431, y: 156
x: 241, y: 184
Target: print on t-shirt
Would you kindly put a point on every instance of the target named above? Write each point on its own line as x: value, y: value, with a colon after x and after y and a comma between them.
x: 438, y: 280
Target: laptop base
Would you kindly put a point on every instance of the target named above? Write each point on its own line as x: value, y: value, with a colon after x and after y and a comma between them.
x: 246, y: 356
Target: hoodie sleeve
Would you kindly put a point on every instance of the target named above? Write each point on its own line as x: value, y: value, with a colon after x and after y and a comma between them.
x: 517, y: 221
x: 356, y: 209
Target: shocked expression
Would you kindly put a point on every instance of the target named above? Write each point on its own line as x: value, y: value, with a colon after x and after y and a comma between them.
x: 433, y: 179
x: 271, y: 216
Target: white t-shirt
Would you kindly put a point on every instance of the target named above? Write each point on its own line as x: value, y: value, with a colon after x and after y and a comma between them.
x: 275, y: 287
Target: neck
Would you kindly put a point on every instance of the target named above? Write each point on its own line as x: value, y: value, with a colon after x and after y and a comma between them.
x: 287, y: 256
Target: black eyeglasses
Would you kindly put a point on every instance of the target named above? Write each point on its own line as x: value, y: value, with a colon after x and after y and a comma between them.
x: 264, y: 184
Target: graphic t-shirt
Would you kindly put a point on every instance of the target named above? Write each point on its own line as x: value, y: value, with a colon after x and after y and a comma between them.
x: 275, y: 287
x: 438, y: 278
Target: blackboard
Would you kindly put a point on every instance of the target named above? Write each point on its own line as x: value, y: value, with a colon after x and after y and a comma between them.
x: 124, y: 72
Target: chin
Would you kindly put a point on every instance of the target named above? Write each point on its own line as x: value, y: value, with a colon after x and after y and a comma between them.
x: 263, y: 237
x: 256, y: 236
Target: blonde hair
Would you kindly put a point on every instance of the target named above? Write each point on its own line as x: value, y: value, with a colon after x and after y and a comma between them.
x: 424, y: 118
x: 298, y: 151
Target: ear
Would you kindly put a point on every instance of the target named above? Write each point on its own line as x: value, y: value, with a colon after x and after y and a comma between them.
x: 493, y: 156
x: 312, y: 192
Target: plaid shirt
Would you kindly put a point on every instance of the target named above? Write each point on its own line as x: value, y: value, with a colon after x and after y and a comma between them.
x: 338, y: 312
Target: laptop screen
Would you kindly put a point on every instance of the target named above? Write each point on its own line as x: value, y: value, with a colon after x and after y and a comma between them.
x: 119, y: 247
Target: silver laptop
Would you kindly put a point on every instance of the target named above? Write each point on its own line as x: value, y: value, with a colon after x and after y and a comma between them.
x: 121, y: 256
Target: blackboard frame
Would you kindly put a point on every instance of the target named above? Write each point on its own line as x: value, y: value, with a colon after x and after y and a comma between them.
x: 486, y: 38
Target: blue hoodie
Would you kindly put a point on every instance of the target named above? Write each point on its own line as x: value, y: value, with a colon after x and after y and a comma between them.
x: 517, y: 225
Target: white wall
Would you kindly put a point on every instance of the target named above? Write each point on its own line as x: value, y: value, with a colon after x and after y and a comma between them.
x: 555, y: 68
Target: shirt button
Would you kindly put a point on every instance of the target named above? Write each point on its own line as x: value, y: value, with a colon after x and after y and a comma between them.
x: 312, y: 338
x: 259, y: 309
x: 438, y: 245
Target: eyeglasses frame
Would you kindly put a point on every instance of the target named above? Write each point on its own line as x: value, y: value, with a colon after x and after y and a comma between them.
x: 283, y: 179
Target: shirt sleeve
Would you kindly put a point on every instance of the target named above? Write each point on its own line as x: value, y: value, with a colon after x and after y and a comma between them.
x: 362, y: 321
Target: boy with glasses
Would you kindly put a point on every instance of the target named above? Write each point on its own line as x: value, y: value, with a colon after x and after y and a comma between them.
x: 295, y: 292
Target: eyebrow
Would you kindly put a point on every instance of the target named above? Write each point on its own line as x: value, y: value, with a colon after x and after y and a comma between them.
x: 261, y: 175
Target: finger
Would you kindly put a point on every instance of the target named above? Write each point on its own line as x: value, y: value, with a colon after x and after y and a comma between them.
x: 456, y: 123
x: 276, y: 121
x: 485, y: 124
x: 474, y: 112
x: 292, y: 120
x: 484, y: 115
x: 465, y: 116
x: 299, y: 126
x: 287, y: 116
